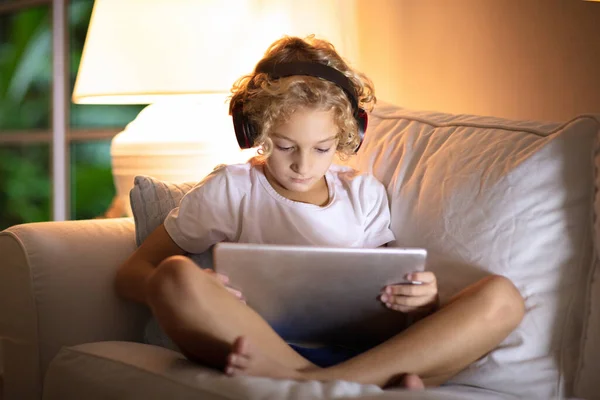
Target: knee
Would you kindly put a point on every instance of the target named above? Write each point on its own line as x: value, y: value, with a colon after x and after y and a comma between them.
x: 176, y: 275
x: 504, y: 302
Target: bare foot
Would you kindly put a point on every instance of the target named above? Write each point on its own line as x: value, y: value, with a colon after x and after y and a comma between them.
x: 245, y: 359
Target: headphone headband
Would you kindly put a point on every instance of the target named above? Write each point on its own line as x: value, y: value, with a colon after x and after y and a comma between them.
x: 314, y: 69
x: 246, y: 132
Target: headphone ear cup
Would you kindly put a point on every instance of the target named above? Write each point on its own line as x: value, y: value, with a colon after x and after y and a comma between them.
x: 362, y: 120
x: 251, y: 132
x: 245, y: 132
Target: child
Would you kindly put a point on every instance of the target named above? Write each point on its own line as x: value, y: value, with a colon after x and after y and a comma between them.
x: 301, y: 105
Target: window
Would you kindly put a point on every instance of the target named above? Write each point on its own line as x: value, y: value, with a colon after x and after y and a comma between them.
x: 26, y: 136
x: 25, y: 70
x: 25, y: 182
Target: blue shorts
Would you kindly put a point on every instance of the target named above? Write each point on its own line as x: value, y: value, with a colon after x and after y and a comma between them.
x: 326, y: 356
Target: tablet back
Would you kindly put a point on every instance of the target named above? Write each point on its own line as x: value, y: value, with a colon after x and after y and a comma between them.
x: 320, y: 294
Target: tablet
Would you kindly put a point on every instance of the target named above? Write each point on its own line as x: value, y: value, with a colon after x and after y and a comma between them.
x: 320, y: 294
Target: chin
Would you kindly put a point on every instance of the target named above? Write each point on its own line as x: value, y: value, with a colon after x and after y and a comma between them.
x: 297, y: 187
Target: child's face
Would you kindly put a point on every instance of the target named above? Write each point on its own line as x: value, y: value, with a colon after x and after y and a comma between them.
x: 303, y: 149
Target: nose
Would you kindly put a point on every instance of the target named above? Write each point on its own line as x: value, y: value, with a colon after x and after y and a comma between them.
x: 301, y: 163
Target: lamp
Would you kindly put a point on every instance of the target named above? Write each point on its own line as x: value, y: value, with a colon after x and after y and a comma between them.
x: 181, y: 57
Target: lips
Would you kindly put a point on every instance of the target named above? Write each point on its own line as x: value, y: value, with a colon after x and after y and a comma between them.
x: 296, y: 180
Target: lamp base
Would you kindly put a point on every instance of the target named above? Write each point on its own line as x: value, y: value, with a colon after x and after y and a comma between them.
x: 175, y: 141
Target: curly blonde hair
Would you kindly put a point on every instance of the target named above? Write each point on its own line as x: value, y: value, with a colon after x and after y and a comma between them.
x: 269, y: 102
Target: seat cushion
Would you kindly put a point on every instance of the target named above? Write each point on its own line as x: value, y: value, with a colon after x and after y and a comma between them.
x: 127, y: 370
x: 490, y: 196
x: 138, y: 371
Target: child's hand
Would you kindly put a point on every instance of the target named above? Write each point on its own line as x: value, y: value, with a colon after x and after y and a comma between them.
x: 224, y: 279
x: 412, y: 297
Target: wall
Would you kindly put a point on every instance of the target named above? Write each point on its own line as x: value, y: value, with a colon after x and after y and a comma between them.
x: 522, y: 59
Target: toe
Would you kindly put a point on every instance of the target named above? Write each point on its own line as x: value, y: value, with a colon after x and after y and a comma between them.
x: 242, y: 345
x: 238, y: 360
x: 231, y: 359
x: 413, y: 382
x: 238, y: 345
x: 234, y: 371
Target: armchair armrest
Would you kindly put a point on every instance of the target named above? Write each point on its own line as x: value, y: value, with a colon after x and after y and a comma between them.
x: 56, y: 289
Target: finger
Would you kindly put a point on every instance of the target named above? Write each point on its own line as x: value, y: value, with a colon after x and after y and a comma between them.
x: 239, y: 295
x: 235, y: 292
x: 410, y: 301
x: 223, y: 278
x: 412, y: 290
x: 220, y: 277
x: 424, y: 277
x: 396, y: 307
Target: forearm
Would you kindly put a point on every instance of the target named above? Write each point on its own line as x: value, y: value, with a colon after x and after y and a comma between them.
x: 133, y: 275
x: 130, y: 282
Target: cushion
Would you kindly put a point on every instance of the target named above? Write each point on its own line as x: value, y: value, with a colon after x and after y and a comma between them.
x: 486, y: 195
x: 151, y: 201
x: 127, y: 370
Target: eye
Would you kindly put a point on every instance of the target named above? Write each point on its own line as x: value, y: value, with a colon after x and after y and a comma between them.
x: 283, y: 148
x: 324, y: 150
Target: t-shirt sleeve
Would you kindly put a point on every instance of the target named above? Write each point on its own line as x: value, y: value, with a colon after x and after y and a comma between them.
x: 206, y: 215
x: 377, y: 219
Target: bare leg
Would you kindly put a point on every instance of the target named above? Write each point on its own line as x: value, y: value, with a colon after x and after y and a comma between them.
x: 435, y: 348
x: 198, y: 313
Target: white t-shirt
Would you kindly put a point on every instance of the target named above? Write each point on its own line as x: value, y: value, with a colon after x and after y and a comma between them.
x: 236, y: 203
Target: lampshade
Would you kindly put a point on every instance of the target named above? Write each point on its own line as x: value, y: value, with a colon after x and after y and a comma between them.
x: 182, y: 57
x: 141, y: 51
